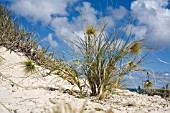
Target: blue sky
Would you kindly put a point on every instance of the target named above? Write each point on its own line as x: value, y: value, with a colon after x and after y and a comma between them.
x: 150, y: 20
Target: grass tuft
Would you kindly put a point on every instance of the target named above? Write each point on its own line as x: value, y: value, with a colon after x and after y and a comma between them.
x: 29, y: 67
x: 147, y: 84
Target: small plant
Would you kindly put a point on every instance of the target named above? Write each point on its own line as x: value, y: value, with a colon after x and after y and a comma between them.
x: 98, y: 109
x: 29, y: 67
x: 147, y: 84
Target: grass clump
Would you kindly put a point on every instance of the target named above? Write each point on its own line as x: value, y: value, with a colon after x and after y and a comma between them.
x: 147, y: 84
x: 29, y: 67
x: 103, y: 59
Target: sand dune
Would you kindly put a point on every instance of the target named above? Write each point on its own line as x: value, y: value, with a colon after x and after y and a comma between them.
x: 37, y: 93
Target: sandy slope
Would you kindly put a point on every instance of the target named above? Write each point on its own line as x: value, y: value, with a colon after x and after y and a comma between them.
x: 24, y: 93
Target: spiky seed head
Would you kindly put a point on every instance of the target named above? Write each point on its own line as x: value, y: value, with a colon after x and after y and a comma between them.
x: 135, y: 48
x: 29, y: 66
x: 131, y: 64
x: 91, y: 31
x: 147, y: 83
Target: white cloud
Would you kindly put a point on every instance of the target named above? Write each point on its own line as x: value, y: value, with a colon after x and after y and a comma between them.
x: 40, y: 10
x: 153, y: 21
x: 88, y: 14
x: 65, y: 27
x: 118, y: 13
x: 64, y: 30
x: 50, y: 40
x: 140, y: 31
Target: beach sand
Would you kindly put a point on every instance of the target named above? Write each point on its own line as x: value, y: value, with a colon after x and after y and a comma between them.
x: 38, y: 93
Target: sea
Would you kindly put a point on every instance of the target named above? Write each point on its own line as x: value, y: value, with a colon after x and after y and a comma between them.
x: 159, y: 80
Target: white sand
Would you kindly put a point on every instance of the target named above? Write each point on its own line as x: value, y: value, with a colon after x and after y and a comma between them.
x: 24, y: 93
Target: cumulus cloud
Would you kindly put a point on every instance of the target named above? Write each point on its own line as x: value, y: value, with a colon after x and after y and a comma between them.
x: 153, y: 21
x: 64, y: 30
x: 64, y: 27
x: 50, y: 40
x: 118, y: 13
x: 88, y: 14
x: 43, y: 10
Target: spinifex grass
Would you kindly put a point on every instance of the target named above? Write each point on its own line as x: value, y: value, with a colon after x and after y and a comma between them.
x: 148, y: 84
x: 103, y: 58
x: 29, y: 67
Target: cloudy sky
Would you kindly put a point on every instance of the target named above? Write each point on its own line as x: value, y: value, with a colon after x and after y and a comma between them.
x: 52, y: 19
